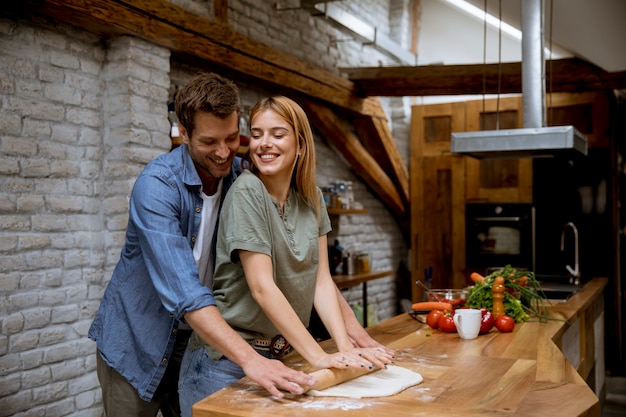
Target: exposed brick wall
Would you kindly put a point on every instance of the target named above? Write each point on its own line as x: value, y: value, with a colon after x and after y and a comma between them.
x: 52, y: 221
x: 79, y: 118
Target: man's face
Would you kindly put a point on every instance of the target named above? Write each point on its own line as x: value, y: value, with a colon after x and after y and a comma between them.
x: 213, y: 145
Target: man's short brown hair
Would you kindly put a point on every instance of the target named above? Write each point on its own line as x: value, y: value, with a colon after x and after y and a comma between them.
x: 206, y: 92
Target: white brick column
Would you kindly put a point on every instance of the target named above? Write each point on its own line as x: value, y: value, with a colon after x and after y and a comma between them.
x: 136, y: 83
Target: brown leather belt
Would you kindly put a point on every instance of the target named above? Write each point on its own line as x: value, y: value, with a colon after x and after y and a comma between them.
x: 278, y: 346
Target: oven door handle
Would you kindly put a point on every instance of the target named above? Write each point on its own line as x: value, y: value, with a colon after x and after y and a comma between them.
x: 497, y: 219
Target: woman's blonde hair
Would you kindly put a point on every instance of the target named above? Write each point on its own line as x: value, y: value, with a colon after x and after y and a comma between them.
x: 303, y: 178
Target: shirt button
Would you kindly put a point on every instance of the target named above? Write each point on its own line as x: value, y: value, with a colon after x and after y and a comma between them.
x: 193, y: 239
x: 174, y: 331
x: 164, y: 360
x: 198, y: 209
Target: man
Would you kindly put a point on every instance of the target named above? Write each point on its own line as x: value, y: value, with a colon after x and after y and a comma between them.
x: 160, y: 288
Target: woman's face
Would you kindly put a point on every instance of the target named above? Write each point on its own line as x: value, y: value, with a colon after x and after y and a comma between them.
x: 273, y: 145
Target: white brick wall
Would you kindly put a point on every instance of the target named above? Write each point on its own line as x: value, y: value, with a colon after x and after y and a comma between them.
x: 79, y: 121
x: 50, y: 127
x: 79, y: 118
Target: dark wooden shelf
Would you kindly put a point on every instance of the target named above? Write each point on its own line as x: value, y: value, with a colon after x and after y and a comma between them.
x: 339, y: 211
x: 347, y: 281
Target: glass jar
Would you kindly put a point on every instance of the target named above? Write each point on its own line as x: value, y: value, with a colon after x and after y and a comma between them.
x: 363, y: 263
x: 349, y: 195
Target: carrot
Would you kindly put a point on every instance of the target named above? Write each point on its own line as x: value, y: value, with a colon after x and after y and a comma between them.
x: 432, y: 305
x: 477, y: 278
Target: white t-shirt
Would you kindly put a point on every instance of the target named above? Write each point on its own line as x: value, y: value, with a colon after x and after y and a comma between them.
x: 202, y: 248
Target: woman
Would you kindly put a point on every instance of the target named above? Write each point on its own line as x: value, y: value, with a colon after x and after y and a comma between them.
x: 272, y: 259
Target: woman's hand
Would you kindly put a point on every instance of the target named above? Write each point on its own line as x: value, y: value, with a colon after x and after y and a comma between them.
x: 366, y: 358
x: 358, y: 335
x: 361, y: 339
x: 380, y: 357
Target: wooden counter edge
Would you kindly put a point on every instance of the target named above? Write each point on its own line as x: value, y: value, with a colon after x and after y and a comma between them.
x: 576, y: 304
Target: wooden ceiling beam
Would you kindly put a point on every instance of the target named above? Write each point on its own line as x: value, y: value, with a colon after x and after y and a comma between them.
x: 564, y: 75
x: 204, y: 40
x: 211, y: 40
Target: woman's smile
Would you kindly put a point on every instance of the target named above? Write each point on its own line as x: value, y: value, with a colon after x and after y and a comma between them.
x: 273, y: 145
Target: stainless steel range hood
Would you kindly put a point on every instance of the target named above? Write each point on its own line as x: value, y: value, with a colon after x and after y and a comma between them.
x: 534, y: 139
x: 563, y: 141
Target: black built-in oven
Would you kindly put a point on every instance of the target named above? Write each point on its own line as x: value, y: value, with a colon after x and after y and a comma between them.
x: 497, y: 235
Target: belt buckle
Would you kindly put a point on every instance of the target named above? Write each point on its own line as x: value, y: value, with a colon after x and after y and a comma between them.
x: 279, y: 345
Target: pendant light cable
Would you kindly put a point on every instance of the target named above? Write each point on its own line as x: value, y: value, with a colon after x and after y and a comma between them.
x: 499, y: 64
x: 482, y: 124
x: 549, y: 123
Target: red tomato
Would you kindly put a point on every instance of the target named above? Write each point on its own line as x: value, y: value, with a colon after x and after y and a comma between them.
x: 487, y: 321
x: 446, y: 323
x: 505, y: 323
x: 457, y: 302
x: 432, y: 319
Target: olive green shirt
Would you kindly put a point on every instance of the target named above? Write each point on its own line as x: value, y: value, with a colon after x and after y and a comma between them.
x: 251, y: 220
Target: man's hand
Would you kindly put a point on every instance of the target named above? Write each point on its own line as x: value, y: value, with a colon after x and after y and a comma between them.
x: 274, y: 376
x: 270, y: 374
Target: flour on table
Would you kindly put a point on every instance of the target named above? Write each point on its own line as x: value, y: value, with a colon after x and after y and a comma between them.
x: 381, y: 383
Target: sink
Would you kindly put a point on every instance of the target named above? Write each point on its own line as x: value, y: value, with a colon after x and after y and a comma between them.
x: 559, y: 292
x: 559, y: 295
x: 557, y: 287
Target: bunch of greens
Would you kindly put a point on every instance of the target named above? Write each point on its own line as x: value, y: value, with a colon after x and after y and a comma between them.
x: 522, y: 297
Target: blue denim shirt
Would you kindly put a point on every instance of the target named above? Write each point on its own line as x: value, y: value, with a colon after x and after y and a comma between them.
x: 156, y: 279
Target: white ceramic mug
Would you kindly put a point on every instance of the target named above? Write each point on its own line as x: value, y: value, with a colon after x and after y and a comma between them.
x: 467, y: 321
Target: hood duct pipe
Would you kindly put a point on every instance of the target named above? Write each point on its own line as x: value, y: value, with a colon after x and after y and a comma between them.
x: 534, y: 139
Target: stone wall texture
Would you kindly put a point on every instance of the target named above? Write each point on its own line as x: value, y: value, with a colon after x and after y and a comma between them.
x: 80, y: 116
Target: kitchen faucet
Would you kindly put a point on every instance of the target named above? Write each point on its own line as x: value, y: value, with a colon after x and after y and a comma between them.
x: 574, y: 273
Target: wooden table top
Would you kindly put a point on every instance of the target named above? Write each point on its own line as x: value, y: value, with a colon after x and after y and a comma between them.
x: 519, y: 374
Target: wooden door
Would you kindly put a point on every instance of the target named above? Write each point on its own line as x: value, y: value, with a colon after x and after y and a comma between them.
x: 437, y: 197
x: 588, y: 112
x: 497, y: 180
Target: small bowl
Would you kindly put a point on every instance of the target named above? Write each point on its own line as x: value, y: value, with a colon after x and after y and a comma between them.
x: 455, y: 297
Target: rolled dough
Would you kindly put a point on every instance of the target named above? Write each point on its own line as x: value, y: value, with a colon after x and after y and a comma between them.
x: 381, y: 383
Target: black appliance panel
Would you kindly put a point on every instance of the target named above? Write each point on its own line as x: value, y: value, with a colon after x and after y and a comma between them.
x: 498, y: 235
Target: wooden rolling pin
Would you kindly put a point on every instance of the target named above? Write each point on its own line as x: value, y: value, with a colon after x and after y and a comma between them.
x: 330, y: 377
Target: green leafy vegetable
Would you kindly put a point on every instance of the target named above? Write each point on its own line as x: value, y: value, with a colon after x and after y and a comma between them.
x: 523, y: 296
